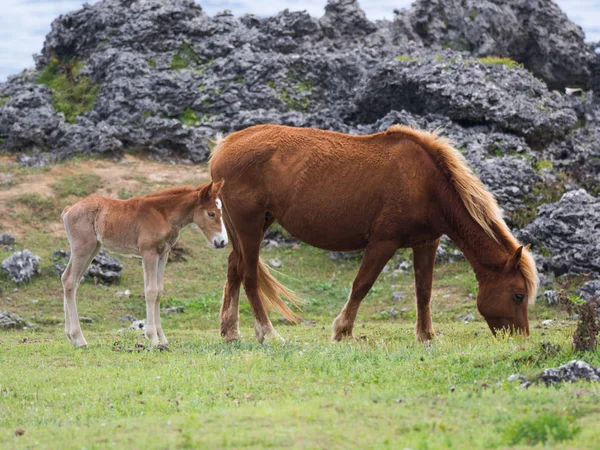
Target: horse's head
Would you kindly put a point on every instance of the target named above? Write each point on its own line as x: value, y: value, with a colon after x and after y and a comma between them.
x: 504, y: 294
x: 207, y: 214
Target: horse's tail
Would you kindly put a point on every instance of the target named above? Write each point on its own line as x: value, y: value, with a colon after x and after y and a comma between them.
x: 270, y: 291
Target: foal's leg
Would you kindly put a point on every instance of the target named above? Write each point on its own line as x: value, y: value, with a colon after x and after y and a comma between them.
x: 230, y: 306
x: 424, y: 259
x: 83, y: 250
x: 150, y: 262
x: 376, y: 256
x: 162, y: 262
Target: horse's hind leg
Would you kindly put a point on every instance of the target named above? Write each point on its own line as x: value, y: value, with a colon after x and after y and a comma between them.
x: 376, y: 256
x: 424, y: 259
x: 84, y: 247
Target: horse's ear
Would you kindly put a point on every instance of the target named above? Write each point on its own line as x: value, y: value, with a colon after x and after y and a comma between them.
x: 205, y: 191
x: 516, y: 259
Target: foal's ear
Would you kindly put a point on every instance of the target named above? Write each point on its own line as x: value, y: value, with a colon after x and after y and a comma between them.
x: 216, y: 188
x: 205, y: 191
x: 516, y: 259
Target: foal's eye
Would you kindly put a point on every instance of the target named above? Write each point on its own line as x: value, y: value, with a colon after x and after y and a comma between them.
x: 519, y: 298
x: 211, y: 214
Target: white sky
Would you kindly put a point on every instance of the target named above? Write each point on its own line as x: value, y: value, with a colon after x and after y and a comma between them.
x: 25, y: 23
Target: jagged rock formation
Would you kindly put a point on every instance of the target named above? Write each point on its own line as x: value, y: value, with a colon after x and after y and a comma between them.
x: 164, y: 78
x: 103, y: 269
x: 21, y: 266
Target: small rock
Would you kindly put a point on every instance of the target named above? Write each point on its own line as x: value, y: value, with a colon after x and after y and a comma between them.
x: 275, y: 263
x: 128, y: 318
x: 547, y: 321
x: 126, y: 293
x: 466, y: 317
x: 175, y: 310
x: 452, y: 388
x: 10, y: 320
x: 19, y: 432
x: 397, y: 296
x: 516, y: 377
x: 138, y: 325
x: 551, y: 298
x: 572, y: 371
x: 7, y: 239
x: 21, y: 266
x: 86, y: 319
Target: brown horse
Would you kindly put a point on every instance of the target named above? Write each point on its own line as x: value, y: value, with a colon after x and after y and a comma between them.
x: 397, y: 189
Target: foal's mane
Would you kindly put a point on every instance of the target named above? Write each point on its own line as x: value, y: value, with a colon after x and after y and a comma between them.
x: 478, y: 201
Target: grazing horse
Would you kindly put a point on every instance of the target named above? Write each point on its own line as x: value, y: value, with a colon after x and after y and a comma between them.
x: 146, y: 226
x: 396, y: 189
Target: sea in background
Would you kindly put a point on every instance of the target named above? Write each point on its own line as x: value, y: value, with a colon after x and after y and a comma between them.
x: 25, y: 23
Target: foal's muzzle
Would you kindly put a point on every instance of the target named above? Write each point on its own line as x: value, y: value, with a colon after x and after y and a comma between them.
x: 219, y: 243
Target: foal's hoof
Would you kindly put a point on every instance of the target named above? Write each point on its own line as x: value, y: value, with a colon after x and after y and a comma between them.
x: 162, y: 347
x: 267, y: 334
x: 342, y: 336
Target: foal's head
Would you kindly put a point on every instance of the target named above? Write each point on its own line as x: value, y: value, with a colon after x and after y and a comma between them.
x: 207, y: 214
x: 504, y: 294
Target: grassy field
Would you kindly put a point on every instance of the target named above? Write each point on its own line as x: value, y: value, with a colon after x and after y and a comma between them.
x: 381, y: 391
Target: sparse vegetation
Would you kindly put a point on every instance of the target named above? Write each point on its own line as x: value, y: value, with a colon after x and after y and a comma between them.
x: 495, y: 60
x: 585, y: 337
x: 40, y: 208
x: 72, y: 94
x: 79, y: 185
x: 4, y: 100
x: 152, y: 63
x: 408, y: 58
x: 542, y: 164
x: 188, y: 117
x: 542, y: 192
x: 545, y: 428
x: 184, y: 57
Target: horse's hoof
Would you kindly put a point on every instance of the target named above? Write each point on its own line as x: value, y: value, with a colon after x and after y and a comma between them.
x: 162, y: 347
x: 424, y: 336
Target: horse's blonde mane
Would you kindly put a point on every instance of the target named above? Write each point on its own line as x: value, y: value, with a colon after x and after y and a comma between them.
x: 478, y: 201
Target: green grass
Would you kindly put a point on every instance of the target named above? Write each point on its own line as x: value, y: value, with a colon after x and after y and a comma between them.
x: 152, y: 63
x: 80, y: 185
x: 72, y: 94
x: 4, y: 100
x: 381, y: 391
x: 495, y: 60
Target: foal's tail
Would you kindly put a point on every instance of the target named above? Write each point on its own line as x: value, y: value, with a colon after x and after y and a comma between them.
x: 270, y: 290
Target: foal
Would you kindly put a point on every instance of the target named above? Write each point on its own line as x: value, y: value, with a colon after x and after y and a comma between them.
x: 146, y: 226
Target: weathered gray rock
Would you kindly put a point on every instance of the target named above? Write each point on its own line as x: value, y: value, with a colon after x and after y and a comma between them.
x: 535, y: 33
x: 7, y: 239
x: 10, y: 320
x: 569, y: 232
x: 22, y: 266
x: 175, y: 310
x: 103, y: 269
x: 138, y: 325
x: 590, y: 290
x: 551, y: 298
x: 572, y: 371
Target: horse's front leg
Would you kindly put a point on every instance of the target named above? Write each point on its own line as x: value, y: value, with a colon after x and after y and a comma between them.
x: 376, y: 256
x: 230, y: 306
x: 150, y: 260
x: 424, y: 259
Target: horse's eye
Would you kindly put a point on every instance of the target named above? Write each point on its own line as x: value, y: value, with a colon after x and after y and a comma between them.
x: 211, y: 214
x: 519, y: 298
